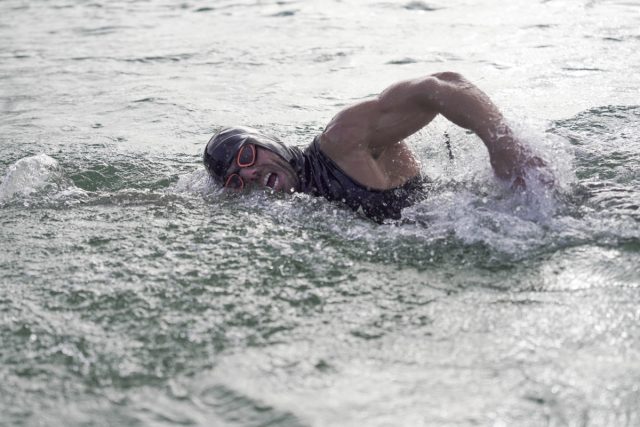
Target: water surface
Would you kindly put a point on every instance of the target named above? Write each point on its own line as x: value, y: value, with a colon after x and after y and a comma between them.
x: 133, y: 292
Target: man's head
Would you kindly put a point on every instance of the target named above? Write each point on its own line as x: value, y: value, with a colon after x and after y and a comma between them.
x: 241, y: 157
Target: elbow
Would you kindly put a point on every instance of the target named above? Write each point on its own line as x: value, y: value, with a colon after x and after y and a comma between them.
x: 435, y: 90
x: 446, y: 82
x: 449, y: 77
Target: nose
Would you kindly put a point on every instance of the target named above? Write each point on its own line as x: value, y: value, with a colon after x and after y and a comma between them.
x: 249, y: 174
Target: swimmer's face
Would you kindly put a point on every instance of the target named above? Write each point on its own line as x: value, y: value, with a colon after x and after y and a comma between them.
x: 257, y: 167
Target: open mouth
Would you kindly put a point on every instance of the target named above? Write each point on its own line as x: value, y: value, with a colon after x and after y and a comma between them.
x: 271, y: 180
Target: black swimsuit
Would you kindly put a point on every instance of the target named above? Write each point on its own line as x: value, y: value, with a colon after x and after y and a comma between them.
x: 320, y: 176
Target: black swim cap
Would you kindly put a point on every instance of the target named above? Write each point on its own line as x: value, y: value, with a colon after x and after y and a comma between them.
x: 223, y: 146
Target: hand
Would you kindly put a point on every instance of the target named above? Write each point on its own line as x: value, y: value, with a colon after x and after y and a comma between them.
x: 543, y: 175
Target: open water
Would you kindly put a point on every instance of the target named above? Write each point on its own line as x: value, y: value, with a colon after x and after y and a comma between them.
x: 132, y: 292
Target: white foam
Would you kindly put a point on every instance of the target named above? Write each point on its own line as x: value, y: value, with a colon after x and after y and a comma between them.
x: 35, y: 176
x: 28, y: 175
x: 197, y: 182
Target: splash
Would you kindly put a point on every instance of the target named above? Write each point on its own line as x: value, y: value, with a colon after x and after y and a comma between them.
x: 28, y: 175
x: 197, y: 182
x: 32, y: 176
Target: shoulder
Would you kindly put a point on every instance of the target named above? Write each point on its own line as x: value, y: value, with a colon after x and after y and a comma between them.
x: 348, y: 131
x: 388, y: 169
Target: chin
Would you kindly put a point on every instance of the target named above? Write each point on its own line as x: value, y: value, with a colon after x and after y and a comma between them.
x: 286, y: 187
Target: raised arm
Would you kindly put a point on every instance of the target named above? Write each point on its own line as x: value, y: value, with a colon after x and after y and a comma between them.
x: 407, y: 106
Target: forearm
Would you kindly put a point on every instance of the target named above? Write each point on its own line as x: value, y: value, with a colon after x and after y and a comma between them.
x: 464, y: 104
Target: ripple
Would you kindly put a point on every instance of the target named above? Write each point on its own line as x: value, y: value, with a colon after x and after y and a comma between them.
x: 583, y: 69
x: 402, y: 61
x: 606, y: 141
x: 101, y: 31
x: 161, y: 58
x: 420, y: 5
x: 284, y: 14
x: 204, y: 9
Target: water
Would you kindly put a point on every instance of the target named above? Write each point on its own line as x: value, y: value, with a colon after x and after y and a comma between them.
x: 134, y: 293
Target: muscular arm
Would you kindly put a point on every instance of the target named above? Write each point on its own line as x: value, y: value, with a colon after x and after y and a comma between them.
x: 407, y: 106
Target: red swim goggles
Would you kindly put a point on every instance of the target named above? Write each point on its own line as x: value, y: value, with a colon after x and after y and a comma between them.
x: 246, y: 157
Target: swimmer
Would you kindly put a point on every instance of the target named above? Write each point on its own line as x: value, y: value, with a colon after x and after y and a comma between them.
x: 361, y: 159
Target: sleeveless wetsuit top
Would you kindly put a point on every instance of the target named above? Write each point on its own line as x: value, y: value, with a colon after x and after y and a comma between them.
x: 321, y: 176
